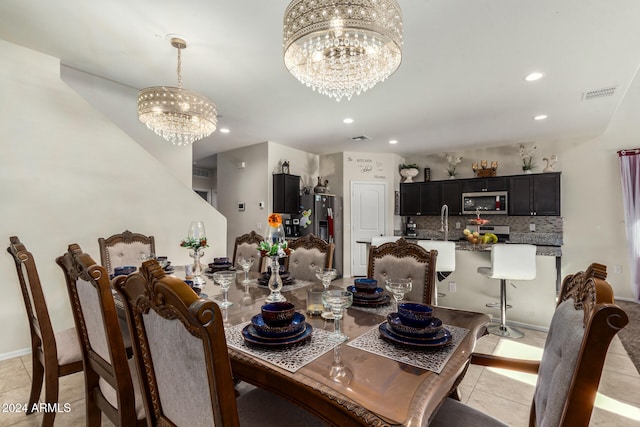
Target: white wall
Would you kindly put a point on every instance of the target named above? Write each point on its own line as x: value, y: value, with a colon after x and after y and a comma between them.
x: 306, y: 165
x: 69, y: 175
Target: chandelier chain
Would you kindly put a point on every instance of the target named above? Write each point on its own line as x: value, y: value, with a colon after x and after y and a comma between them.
x: 179, y: 69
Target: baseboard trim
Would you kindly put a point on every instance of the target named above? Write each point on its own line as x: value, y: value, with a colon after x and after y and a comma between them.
x: 17, y: 353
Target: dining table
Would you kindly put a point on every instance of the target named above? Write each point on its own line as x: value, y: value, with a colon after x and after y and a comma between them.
x: 378, y: 383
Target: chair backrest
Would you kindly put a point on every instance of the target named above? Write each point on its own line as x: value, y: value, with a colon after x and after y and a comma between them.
x: 379, y: 240
x: 309, y: 254
x: 126, y: 248
x: 180, y: 350
x: 108, y: 380
x: 446, y: 259
x: 583, y: 325
x: 42, y: 334
x: 513, y: 261
x: 405, y: 260
x: 247, y: 246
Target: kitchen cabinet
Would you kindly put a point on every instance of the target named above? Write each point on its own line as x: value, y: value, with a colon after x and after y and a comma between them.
x: 475, y: 185
x: 535, y: 194
x: 286, y: 193
x: 451, y: 195
x: 410, y: 199
x: 420, y: 198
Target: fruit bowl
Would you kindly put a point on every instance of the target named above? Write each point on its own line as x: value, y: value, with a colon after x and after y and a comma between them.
x: 478, y: 221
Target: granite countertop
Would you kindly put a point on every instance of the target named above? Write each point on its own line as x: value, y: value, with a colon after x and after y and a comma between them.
x: 540, y: 249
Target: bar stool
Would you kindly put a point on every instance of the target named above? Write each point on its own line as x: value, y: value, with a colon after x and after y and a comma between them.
x: 445, y: 261
x: 509, y: 262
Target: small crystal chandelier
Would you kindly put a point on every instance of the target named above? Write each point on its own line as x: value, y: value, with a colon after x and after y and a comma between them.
x: 178, y: 115
x: 342, y: 47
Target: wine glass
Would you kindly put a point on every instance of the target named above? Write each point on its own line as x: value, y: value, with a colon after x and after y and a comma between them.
x: 224, y: 278
x: 246, y: 264
x: 338, y: 372
x: 398, y: 287
x: 326, y: 275
x: 337, y: 301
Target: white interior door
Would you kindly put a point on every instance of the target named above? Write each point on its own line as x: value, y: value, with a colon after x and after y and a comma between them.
x: 368, y: 219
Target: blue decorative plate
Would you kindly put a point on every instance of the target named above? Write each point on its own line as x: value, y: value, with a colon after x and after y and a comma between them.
x: 374, y: 294
x: 384, y: 300
x: 277, y: 342
x: 430, y: 331
x: 296, y: 327
x: 387, y: 334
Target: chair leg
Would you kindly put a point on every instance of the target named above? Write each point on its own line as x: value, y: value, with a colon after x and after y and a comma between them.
x: 36, y: 382
x: 51, y: 385
x: 502, y: 329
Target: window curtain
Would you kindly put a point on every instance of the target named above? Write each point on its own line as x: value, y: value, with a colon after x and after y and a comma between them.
x: 630, y: 174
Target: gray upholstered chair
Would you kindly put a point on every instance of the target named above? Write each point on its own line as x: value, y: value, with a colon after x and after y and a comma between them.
x: 125, y: 249
x: 247, y: 246
x: 405, y: 260
x: 111, y: 382
x: 582, y: 327
x: 53, y: 354
x: 182, y: 357
x: 309, y: 254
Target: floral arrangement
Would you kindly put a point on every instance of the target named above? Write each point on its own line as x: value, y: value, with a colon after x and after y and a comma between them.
x: 278, y: 246
x: 409, y: 166
x: 453, y: 161
x: 194, y: 244
x: 526, y: 154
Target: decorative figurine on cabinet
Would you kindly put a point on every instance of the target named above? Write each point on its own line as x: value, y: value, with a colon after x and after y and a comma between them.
x: 285, y: 167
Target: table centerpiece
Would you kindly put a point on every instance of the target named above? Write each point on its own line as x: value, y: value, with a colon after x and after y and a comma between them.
x: 196, y: 241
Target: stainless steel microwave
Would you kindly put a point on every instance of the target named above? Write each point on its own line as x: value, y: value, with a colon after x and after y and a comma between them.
x: 485, y: 202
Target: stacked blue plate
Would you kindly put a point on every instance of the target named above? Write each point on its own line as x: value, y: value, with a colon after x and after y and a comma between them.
x: 279, y: 327
x: 219, y: 264
x: 414, y: 326
x: 366, y: 293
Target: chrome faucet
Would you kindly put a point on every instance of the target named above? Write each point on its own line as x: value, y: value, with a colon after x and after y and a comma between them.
x: 444, y: 221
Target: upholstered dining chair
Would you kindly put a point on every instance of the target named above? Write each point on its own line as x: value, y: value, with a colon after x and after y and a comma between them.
x: 405, y: 260
x: 308, y: 254
x: 582, y: 327
x: 247, y: 246
x: 182, y: 357
x: 124, y: 249
x: 53, y: 354
x: 111, y: 382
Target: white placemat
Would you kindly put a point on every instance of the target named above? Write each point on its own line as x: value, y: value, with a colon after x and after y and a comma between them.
x: 289, y: 358
x: 432, y: 359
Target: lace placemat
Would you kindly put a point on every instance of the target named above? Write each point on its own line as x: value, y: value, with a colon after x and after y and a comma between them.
x: 431, y: 359
x: 382, y: 310
x: 289, y: 358
x: 297, y: 284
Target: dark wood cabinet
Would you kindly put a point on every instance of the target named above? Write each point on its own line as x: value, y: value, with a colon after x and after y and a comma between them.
x: 427, y: 198
x: 286, y: 193
x: 535, y: 194
x: 430, y: 200
x: 476, y: 185
x: 451, y: 195
x: 410, y: 199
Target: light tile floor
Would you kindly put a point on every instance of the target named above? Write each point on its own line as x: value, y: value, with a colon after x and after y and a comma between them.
x: 502, y: 394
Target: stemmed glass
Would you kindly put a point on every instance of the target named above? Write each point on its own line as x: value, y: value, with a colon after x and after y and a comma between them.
x: 337, y: 301
x: 246, y: 264
x: 326, y: 275
x: 338, y: 372
x: 224, y: 278
x: 398, y: 287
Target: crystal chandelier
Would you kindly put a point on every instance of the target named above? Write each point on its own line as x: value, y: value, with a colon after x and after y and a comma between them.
x: 178, y: 115
x: 342, y: 47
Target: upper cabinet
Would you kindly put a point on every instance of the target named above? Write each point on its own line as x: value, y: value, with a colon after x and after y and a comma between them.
x: 451, y: 195
x: 420, y: 198
x: 535, y: 194
x: 286, y: 193
x: 476, y: 185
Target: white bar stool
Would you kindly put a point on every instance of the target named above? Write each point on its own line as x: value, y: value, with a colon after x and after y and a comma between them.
x: 509, y: 262
x: 379, y: 240
x: 445, y: 261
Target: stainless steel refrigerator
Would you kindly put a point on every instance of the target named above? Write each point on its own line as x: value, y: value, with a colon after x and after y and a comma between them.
x: 321, y: 215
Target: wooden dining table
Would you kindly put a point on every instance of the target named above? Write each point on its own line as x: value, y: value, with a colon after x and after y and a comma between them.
x: 382, y: 391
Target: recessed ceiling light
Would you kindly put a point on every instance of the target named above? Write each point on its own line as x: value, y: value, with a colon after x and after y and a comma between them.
x: 348, y: 121
x: 534, y: 76
x: 540, y: 117
x: 224, y: 130
x: 393, y: 141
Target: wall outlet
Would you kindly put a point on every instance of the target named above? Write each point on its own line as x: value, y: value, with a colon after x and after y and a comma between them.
x: 457, y: 225
x: 532, y: 227
x: 261, y: 204
x: 617, y: 269
x: 452, y: 286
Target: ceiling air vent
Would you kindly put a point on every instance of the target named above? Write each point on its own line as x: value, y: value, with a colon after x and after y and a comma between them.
x: 599, y: 93
x: 361, y: 138
x: 202, y: 173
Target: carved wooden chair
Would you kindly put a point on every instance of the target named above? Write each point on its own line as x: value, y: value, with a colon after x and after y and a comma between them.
x: 181, y: 354
x: 405, y: 260
x: 53, y: 354
x: 309, y: 254
x: 247, y: 246
x: 111, y: 382
x: 583, y: 325
x: 124, y: 249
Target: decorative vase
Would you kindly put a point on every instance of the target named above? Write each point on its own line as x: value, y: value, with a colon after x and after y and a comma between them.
x: 452, y: 177
x: 409, y: 174
x: 527, y: 171
x: 275, y: 281
x: 196, y: 254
